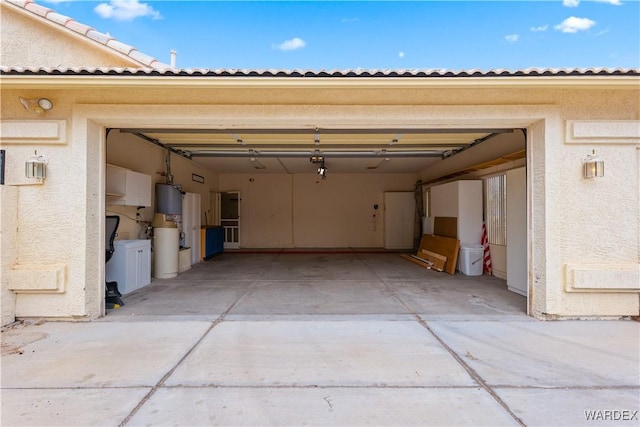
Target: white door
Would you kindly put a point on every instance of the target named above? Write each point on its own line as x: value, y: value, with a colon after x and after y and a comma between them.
x: 399, y: 218
x: 230, y: 218
x: 191, y: 224
x: 517, y: 231
x: 195, y: 229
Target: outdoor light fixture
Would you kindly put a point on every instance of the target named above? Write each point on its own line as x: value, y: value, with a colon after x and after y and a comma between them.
x: 322, y: 171
x: 36, y: 166
x: 593, y: 165
x: 39, y: 105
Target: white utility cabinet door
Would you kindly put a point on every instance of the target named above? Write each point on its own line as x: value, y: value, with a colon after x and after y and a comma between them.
x: 191, y: 224
x: 127, y: 187
x: 130, y: 265
x: 399, y: 218
x: 517, y: 231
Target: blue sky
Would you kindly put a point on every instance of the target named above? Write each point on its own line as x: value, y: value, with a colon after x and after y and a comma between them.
x: 372, y: 34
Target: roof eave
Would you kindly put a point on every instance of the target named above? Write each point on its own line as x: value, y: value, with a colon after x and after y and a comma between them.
x: 10, y: 80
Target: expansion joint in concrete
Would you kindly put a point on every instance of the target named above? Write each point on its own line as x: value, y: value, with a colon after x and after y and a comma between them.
x: 166, y: 376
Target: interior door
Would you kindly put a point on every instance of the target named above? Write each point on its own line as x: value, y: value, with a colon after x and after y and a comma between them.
x: 195, y: 228
x: 230, y: 218
x: 399, y: 215
x: 517, y: 231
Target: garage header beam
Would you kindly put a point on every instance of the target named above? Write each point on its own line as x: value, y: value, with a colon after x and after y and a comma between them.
x: 314, y: 131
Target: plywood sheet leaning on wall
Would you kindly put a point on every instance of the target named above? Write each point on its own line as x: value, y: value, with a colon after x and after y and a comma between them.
x: 444, y: 246
x: 436, y: 253
x: 445, y: 226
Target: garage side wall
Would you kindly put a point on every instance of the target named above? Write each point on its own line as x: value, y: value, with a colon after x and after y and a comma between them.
x: 132, y: 152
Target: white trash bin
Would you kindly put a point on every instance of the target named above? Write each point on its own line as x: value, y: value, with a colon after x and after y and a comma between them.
x: 471, y: 260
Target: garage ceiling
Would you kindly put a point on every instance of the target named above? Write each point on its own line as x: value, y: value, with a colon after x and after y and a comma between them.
x: 398, y: 150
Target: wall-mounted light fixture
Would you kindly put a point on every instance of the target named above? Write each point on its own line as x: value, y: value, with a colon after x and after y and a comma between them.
x: 39, y: 105
x: 593, y: 165
x: 36, y: 166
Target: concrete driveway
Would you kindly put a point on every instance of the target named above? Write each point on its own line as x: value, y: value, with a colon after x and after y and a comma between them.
x: 321, y: 339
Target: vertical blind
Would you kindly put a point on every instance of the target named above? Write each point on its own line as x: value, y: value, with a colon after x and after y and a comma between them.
x: 496, y: 205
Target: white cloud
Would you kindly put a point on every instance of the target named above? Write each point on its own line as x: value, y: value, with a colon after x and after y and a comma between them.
x: 57, y: 1
x: 613, y: 2
x: 401, y: 54
x: 126, y: 10
x: 540, y: 28
x: 512, y: 38
x: 573, y: 25
x: 570, y: 3
x: 293, y: 44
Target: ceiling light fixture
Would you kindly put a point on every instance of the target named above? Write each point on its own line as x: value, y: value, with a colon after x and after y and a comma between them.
x: 256, y: 164
x: 322, y: 171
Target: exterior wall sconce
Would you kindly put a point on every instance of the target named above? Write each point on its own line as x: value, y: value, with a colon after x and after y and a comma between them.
x: 36, y: 166
x: 593, y: 166
x: 39, y: 105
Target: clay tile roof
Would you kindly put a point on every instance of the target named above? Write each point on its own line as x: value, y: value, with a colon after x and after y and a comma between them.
x: 89, y: 33
x: 357, y: 73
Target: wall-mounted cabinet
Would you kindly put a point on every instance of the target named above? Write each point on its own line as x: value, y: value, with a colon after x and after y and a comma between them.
x: 127, y: 187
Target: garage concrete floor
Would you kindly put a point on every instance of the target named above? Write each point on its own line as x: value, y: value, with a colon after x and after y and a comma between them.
x: 252, y: 286
x: 321, y: 339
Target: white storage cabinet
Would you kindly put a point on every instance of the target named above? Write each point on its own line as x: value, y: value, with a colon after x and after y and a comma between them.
x: 127, y: 187
x: 191, y: 224
x: 462, y: 200
x: 130, y: 265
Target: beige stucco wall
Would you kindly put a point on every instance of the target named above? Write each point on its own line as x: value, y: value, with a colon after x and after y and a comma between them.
x: 302, y: 210
x: 576, y: 224
x: 19, y: 31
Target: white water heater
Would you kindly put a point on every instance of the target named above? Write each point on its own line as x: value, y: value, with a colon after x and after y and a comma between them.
x: 166, y: 243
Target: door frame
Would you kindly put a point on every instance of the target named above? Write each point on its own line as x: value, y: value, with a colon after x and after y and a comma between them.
x: 231, y: 232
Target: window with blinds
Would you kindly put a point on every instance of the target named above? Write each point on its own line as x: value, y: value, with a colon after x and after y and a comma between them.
x: 496, y: 206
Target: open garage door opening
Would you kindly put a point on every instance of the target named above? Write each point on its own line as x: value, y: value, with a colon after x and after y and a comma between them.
x: 268, y: 212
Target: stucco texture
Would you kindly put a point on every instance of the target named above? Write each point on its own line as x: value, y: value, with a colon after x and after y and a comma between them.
x: 573, y: 220
x: 63, y: 48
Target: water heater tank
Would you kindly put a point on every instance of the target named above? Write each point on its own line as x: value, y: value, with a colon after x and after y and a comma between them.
x: 168, y: 200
